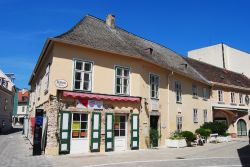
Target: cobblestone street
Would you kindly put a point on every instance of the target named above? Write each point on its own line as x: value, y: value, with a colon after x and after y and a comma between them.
x: 15, y: 151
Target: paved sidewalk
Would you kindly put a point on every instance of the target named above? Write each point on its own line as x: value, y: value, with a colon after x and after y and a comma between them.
x: 209, y: 150
x: 15, y: 151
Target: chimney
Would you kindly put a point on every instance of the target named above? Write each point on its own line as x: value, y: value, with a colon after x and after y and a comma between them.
x: 110, y: 21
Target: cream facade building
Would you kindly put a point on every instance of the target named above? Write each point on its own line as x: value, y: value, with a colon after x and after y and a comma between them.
x: 103, y: 89
x: 229, y: 97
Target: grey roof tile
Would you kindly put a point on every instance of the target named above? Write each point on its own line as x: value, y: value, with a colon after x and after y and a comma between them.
x: 94, y: 33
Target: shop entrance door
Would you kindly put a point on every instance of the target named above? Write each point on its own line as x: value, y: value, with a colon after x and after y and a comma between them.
x: 154, y: 130
x: 120, y: 132
x: 79, y: 133
x: 241, y: 128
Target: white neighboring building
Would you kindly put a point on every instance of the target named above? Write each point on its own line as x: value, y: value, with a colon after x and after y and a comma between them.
x: 223, y: 56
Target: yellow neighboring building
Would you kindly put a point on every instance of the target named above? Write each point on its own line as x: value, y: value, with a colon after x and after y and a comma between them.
x: 229, y: 98
x: 103, y: 89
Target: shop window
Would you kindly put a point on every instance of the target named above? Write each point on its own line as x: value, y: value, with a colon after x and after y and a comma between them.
x: 154, y: 86
x: 120, y: 125
x: 83, y: 75
x: 178, y: 91
x: 80, y: 125
x: 122, y: 80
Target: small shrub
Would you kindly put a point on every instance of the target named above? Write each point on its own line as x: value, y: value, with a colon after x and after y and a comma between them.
x: 216, y: 127
x: 203, y: 132
x: 176, y: 136
x: 154, y: 136
x: 189, y: 136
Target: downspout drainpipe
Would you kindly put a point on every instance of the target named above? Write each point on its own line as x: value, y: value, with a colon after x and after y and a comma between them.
x: 169, y: 75
x: 223, y: 55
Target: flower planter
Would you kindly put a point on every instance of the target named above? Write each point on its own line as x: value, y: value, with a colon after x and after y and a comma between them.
x: 176, y: 143
x: 224, y: 139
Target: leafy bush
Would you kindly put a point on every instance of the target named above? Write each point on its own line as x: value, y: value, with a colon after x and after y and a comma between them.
x: 203, y: 132
x: 176, y: 136
x: 189, y: 136
x: 216, y: 127
x: 154, y: 136
x: 226, y: 134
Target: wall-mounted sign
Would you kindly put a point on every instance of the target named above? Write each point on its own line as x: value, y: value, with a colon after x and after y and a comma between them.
x: 60, y: 83
x: 94, y: 104
x: 154, y: 104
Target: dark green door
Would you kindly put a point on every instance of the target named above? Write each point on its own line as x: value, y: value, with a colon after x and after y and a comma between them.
x: 134, y: 132
x: 241, y: 128
x: 96, y: 132
x: 65, y: 128
x: 109, y: 132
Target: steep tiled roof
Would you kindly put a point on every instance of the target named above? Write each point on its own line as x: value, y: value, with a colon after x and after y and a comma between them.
x: 219, y: 75
x: 94, y: 33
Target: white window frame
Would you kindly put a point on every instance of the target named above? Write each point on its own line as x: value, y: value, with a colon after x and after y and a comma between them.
x: 154, y: 85
x: 178, y: 92
x: 232, y: 98
x: 205, y: 93
x: 205, y: 115
x: 46, y: 79
x: 241, y: 98
x: 220, y: 96
x: 82, y: 75
x: 195, y: 115
x: 179, y: 123
x: 122, y: 77
x: 194, y: 90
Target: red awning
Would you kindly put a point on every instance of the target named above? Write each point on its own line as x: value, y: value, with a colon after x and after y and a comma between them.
x: 100, y: 97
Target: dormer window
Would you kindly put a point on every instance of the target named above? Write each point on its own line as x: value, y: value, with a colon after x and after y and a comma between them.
x: 195, y: 91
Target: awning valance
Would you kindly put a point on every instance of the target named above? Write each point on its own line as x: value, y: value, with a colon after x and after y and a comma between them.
x: 100, y: 96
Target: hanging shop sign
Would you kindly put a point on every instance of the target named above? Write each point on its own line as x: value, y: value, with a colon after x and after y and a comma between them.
x: 95, y: 104
x: 60, y: 83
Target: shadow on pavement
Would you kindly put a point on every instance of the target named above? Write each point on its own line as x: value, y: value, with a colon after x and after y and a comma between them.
x: 13, y: 130
x: 244, y: 155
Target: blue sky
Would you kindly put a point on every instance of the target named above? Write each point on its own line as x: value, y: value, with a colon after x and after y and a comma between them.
x: 181, y: 25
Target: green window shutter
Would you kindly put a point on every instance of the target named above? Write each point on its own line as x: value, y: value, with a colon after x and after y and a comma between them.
x: 134, y: 132
x: 65, y: 132
x: 96, y: 132
x: 109, y: 132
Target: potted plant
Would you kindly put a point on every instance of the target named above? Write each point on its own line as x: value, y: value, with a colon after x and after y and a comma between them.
x: 189, y: 136
x: 176, y: 140
x: 154, y: 136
